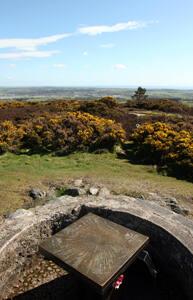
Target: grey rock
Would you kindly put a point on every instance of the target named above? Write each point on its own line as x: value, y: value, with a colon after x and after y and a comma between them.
x: 78, y: 182
x: 93, y: 190
x: 82, y: 191
x: 104, y: 192
x: 179, y: 210
x: 21, y: 213
x: 173, y: 204
x: 36, y: 193
x: 171, y: 201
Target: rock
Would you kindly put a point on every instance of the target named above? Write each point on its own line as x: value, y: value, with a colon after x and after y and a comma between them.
x: 2, y: 219
x: 51, y: 193
x: 179, y: 210
x: 174, y: 206
x: 36, y: 193
x: 21, y: 213
x: 74, y: 192
x: 141, y: 197
x: 78, y: 182
x: 93, y: 191
x: 171, y: 201
x: 82, y: 191
x: 104, y: 192
x: 162, y: 200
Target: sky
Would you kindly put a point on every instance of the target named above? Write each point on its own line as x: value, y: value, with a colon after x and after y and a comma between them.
x: 111, y: 43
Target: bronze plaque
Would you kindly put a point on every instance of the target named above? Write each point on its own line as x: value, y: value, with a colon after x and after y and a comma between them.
x: 95, y: 249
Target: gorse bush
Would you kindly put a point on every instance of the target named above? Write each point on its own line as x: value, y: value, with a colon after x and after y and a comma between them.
x: 65, y: 126
x: 159, y: 143
x: 165, y: 105
x: 10, y: 137
x: 12, y: 104
x: 109, y: 101
x: 21, y: 111
x: 61, y: 134
x: 71, y: 131
x: 109, y: 108
x: 106, y: 107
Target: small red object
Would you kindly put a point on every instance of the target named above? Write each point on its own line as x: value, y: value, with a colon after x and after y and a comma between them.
x: 118, y: 282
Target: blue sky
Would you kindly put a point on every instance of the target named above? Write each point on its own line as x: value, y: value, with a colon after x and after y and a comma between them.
x: 96, y: 43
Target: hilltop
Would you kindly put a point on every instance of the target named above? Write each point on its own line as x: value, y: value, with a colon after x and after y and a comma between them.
x: 53, y: 142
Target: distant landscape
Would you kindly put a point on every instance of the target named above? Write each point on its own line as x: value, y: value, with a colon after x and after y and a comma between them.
x: 144, y: 138
x: 91, y: 93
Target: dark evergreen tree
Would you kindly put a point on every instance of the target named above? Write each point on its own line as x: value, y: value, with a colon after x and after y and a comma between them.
x: 140, y: 94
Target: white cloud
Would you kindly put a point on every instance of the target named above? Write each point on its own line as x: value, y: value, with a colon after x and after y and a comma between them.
x: 10, y: 77
x: 120, y: 67
x: 31, y: 44
x: 60, y: 66
x: 27, y: 54
x: 12, y: 65
x: 98, y: 29
x: 110, y: 45
x: 29, y: 47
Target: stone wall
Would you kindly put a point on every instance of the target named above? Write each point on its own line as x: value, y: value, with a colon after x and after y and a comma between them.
x: 171, y: 235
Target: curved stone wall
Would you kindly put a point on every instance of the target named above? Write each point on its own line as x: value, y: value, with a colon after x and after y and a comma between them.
x: 171, y: 235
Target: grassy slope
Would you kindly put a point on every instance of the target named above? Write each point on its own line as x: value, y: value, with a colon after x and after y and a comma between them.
x: 19, y: 173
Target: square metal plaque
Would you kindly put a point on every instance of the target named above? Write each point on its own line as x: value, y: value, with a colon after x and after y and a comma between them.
x: 95, y: 249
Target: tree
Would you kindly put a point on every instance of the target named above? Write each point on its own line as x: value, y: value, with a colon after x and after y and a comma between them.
x: 140, y: 94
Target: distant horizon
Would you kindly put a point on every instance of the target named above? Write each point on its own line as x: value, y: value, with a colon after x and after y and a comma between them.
x: 101, y: 87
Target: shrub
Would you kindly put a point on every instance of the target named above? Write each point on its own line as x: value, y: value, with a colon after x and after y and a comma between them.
x: 109, y: 101
x: 71, y: 131
x: 159, y: 143
x: 106, y: 107
x: 10, y: 137
x: 165, y: 105
x: 110, y: 109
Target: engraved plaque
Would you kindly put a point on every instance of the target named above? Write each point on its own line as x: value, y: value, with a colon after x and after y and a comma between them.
x: 95, y: 249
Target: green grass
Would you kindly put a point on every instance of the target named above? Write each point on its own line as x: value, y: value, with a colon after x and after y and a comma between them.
x: 20, y: 172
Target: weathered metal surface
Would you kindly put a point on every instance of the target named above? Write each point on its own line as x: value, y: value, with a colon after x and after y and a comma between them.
x: 94, y: 248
